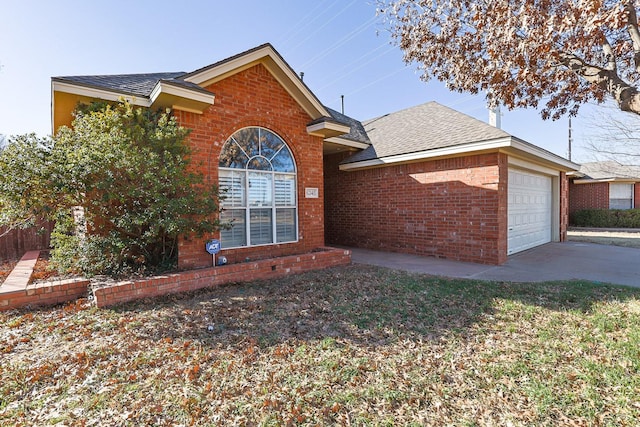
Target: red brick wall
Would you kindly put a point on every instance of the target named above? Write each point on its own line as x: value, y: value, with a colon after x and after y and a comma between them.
x: 451, y: 208
x: 564, y: 206
x: 636, y: 195
x: 254, y: 98
x: 44, y: 294
x: 588, y: 196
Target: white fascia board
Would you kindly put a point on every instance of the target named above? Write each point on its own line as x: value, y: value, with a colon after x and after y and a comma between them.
x: 169, y: 89
x: 292, y: 77
x: 544, y: 154
x: 347, y: 142
x: 226, y: 67
x: 243, y: 61
x: 591, y: 181
x: 329, y: 126
x: 99, y: 93
x: 614, y: 180
x: 428, y: 154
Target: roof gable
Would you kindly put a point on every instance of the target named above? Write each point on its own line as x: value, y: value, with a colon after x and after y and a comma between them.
x: 267, y: 56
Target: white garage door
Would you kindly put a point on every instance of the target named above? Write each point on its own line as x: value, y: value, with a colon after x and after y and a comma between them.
x: 529, y: 210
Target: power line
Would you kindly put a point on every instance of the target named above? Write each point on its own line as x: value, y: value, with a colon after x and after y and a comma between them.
x: 327, y: 22
x: 362, y: 65
x: 340, y: 42
x: 304, y: 22
x: 361, y: 88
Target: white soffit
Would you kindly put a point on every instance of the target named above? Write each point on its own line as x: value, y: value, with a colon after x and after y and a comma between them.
x: 508, y: 145
x: 347, y: 142
x: 169, y: 89
x: 327, y: 128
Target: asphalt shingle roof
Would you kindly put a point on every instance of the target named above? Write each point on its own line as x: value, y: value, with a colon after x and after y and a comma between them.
x: 357, y: 132
x: 132, y: 84
x: 609, y: 170
x: 420, y: 128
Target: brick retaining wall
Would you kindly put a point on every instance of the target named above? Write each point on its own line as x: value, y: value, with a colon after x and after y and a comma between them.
x: 43, y: 294
x: 52, y: 293
x: 209, y: 277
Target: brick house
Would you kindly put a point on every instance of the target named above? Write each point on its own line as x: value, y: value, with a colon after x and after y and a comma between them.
x: 604, y: 185
x: 426, y: 180
x: 433, y: 181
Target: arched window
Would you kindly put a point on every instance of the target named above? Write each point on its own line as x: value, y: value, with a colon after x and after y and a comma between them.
x: 257, y: 178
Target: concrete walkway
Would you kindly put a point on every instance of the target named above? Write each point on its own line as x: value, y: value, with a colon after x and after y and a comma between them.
x: 553, y: 261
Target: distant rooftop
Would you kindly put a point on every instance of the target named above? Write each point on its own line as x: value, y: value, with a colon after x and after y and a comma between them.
x: 609, y: 170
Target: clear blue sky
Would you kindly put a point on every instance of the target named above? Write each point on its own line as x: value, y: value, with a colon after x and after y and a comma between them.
x: 340, y: 45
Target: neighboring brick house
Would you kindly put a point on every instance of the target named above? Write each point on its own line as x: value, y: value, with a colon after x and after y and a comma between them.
x: 604, y: 185
x: 427, y: 180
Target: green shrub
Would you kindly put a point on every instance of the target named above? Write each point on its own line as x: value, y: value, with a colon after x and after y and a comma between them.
x: 606, y: 218
x: 128, y: 172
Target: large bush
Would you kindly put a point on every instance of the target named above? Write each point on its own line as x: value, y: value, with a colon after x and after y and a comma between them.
x: 119, y: 185
x: 606, y: 218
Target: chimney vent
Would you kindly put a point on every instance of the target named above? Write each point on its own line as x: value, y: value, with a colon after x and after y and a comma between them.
x: 494, y: 116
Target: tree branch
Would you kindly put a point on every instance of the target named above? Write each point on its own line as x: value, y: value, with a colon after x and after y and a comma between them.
x: 611, y: 57
x: 15, y: 225
x: 634, y: 33
x: 627, y: 96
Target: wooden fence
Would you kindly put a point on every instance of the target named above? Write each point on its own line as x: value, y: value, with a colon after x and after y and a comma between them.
x: 15, y: 243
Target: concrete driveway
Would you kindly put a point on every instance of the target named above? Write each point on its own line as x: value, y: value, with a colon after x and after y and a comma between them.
x: 553, y: 261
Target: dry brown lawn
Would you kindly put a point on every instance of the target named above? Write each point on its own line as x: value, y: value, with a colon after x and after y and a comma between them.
x: 347, y: 346
x: 615, y: 238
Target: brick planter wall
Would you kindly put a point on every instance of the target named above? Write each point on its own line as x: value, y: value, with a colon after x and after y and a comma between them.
x: 43, y: 294
x: 209, y: 277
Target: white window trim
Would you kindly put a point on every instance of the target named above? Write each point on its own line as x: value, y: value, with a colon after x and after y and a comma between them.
x: 632, y: 199
x: 274, y: 208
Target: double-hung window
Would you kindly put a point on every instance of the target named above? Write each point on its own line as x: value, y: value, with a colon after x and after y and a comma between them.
x: 257, y: 177
x: 620, y: 196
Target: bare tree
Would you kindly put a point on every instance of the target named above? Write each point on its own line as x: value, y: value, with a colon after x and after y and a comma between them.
x: 522, y: 53
x: 610, y: 135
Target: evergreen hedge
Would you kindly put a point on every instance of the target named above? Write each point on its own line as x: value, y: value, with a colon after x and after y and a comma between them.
x: 606, y: 218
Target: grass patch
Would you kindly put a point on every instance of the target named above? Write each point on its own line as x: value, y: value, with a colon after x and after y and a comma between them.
x: 356, y: 345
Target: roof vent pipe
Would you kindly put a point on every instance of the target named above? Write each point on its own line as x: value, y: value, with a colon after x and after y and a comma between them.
x: 495, y: 115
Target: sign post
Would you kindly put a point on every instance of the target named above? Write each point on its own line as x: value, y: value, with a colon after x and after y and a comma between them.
x: 213, y: 247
